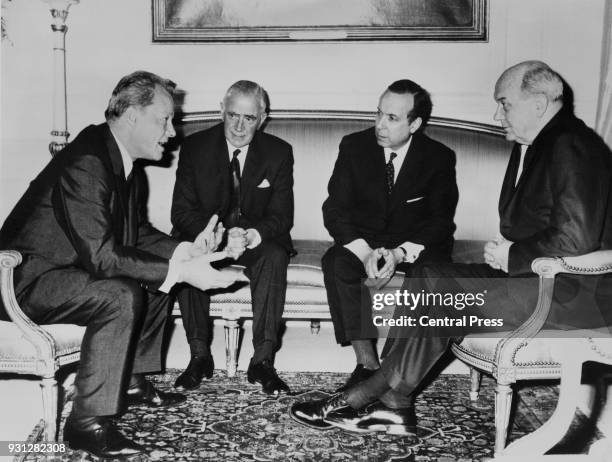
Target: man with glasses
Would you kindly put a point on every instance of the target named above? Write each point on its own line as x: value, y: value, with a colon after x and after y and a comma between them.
x: 245, y: 177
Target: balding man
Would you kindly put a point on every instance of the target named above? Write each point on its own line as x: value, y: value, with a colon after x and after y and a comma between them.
x: 555, y: 201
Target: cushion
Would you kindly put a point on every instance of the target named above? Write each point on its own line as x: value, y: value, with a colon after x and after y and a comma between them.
x: 14, y: 346
x: 296, y: 295
x: 542, y: 350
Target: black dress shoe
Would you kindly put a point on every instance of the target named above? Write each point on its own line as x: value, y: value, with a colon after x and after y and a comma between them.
x: 198, y: 368
x: 265, y: 374
x: 100, y: 438
x: 146, y: 393
x: 312, y: 413
x: 358, y: 375
x: 375, y: 417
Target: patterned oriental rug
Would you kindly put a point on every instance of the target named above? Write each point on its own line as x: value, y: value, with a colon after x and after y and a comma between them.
x: 231, y: 420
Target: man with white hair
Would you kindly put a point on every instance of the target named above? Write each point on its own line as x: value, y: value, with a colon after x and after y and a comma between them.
x: 245, y: 177
x: 555, y: 201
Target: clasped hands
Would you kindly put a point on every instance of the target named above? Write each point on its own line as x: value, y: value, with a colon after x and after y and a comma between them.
x: 391, y: 258
x: 208, y: 241
x: 496, y: 253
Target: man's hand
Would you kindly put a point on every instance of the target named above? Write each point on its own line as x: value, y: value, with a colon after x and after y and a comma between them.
x: 198, y: 272
x: 413, y: 251
x: 371, y: 263
x: 393, y: 257
x: 496, y: 253
x: 236, y: 242
x: 209, y: 239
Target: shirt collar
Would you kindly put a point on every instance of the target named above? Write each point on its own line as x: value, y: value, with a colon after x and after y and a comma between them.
x: 231, y: 148
x: 128, y: 163
x: 401, y: 152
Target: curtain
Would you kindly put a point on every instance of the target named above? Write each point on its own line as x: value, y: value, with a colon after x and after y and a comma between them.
x: 603, y: 123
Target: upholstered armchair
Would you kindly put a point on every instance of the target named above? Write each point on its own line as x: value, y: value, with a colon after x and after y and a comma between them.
x: 532, y: 353
x: 29, y: 349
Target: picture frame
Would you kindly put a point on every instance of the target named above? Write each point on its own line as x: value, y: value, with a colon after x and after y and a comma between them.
x: 214, y: 21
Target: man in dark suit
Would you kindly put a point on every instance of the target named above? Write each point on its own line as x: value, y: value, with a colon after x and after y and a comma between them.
x: 555, y: 201
x: 392, y: 199
x: 244, y: 176
x: 91, y: 258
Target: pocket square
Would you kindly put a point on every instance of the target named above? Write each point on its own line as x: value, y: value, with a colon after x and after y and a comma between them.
x: 264, y: 184
x: 415, y: 199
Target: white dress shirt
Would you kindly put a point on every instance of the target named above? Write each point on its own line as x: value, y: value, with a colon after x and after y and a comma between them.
x: 411, y: 250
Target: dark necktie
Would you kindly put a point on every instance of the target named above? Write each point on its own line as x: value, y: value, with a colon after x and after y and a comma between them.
x: 390, y: 173
x: 233, y: 216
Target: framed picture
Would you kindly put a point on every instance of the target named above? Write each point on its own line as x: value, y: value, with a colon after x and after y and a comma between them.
x: 318, y: 20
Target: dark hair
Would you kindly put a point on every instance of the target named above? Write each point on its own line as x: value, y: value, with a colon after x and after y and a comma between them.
x: 135, y: 89
x: 422, y: 99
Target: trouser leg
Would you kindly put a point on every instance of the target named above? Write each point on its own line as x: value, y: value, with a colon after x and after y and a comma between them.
x: 266, y: 268
x: 149, y: 337
x: 343, y: 274
x: 195, y: 313
x: 409, y: 358
x: 110, y: 310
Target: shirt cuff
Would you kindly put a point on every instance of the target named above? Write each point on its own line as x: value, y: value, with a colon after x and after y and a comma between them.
x: 181, y: 252
x: 412, y: 251
x: 256, y: 239
x: 360, y: 248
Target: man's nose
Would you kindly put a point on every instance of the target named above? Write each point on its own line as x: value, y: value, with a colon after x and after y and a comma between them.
x: 170, y: 132
x: 499, y: 113
x: 240, y: 123
x: 380, y: 122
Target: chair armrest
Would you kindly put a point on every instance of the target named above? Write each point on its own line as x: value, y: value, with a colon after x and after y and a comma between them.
x: 598, y: 262
x: 42, y: 341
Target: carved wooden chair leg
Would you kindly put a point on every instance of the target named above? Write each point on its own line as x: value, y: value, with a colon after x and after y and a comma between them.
x: 503, y: 403
x: 231, y: 346
x: 48, y: 387
x: 553, y: 430
x: 474, y: 383
x: 315, y: 326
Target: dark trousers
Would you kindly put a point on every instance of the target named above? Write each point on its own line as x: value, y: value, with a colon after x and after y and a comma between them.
x: 123, y: 335
x: 348, y: 298
x: 409, y: 356
x: 266, y: 268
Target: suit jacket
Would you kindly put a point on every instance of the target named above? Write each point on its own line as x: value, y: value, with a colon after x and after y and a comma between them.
x: 562, y: 204
x: 203, y: 187
x: 420, y: 209
x: 78, y: 212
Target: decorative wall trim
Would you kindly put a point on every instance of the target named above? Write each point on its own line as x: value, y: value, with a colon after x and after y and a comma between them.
x: 204, y: 116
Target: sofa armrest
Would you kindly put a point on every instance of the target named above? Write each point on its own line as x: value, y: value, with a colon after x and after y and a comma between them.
x: 32, y: 332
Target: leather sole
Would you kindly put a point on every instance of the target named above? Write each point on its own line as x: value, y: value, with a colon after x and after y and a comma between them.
x: 140, y: 457
x: 323, y: 426
x: 390, y: 429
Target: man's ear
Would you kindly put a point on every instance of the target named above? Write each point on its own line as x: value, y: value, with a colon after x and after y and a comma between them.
x: 262, y: 119
x: 415, y: 124
x: 540, y: 104
x: 130, y: 114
